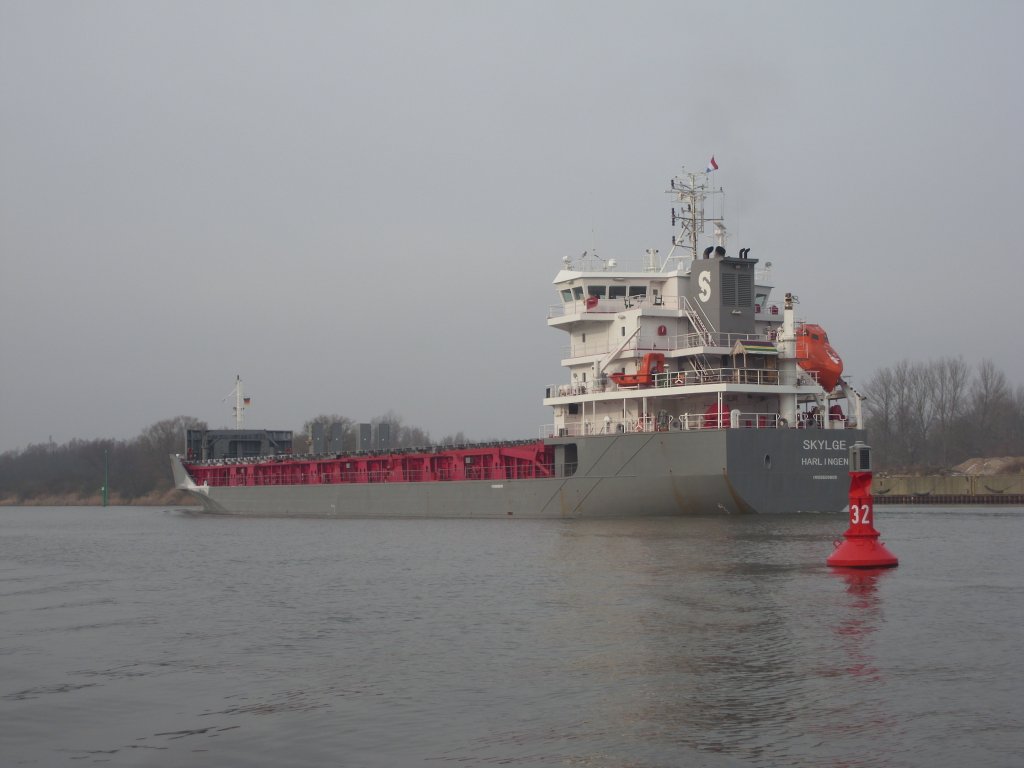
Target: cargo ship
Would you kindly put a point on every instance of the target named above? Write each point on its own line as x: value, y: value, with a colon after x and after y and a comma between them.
x: 689, y: 388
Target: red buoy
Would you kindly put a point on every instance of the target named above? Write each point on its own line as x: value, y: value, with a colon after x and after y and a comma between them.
x: 861, y: 548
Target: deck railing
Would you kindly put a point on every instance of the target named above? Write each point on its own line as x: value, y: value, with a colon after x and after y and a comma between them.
x: 611, y: 306
x: 676, y: 379
x: 654, y: 343
x: 667, y: 423
x: 286, y: 476
x: 606, y: 306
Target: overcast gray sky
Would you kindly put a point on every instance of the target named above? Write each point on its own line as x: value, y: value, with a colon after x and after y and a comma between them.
x: 360, y: 206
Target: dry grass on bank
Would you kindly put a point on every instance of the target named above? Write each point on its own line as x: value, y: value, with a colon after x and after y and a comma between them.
x: 166, y: 498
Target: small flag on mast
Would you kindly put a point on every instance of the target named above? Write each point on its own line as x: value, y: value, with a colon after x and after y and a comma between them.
x: 712, y: 165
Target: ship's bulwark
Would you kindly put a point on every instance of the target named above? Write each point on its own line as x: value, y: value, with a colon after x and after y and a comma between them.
x: 727, y: 471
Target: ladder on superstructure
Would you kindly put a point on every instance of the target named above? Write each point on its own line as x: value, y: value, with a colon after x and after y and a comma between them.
x: 705, y: 334
x: 610, y: 358
x: 697, y: 361
x: 701, y: 323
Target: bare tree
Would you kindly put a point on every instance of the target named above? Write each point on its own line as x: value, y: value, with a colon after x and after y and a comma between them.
x: 168, y: 436
x: 936, y: 414
x: 919, y: 386
x: 952, y: 378
x: 402, y: 435
x: 902, y: 440
x: 991, y: 411
x: 349, y: 439
x: 881, y: 406
x: 1017, y: 422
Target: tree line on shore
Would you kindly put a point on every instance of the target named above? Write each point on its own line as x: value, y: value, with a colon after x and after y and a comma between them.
x: 400, y: 434
x: 926, y: 416
x: 931, y: 416
x: 138, y: 470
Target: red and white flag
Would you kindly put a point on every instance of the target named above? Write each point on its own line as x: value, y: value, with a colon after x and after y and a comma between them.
x: 712, y: 165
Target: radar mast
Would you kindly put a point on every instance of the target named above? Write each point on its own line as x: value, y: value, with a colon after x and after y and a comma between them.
x: 691, y: 190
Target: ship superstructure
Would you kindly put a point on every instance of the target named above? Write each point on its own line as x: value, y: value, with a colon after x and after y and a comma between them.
x: 691, y: 341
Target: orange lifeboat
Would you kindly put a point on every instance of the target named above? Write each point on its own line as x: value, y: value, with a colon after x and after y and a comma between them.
x: 653, y: 363
x: 816, y: 355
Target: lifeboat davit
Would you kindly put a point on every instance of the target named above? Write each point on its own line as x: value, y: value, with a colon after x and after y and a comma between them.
x: 816, y: 355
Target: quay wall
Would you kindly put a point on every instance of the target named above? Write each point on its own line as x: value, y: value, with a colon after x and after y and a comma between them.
x: 948, y: 489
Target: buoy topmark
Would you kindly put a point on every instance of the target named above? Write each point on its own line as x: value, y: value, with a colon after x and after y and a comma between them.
x: 861, y: 547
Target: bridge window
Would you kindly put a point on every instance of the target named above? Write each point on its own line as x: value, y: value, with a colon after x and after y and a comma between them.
x: 596, y: 290
x: 638, y: 290
x: 617, y: 292
x: 566, y: 295
x: 577, y: 293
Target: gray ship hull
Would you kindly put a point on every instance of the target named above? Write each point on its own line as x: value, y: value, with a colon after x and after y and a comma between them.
x: 729, y: 471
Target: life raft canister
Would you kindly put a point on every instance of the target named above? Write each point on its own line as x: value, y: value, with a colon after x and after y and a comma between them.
x: 662, y: 330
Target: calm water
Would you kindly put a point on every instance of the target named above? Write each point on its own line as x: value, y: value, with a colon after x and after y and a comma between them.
x: 137, y: 636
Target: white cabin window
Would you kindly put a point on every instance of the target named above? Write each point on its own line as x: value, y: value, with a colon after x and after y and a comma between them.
x: 617, y: 292
x: 577, y: 293
x: 638, y: 290
x: 597, y: 290
x: 566, y: 295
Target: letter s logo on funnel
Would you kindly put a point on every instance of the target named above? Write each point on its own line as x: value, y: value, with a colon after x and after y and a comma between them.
x: 704, y: 281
